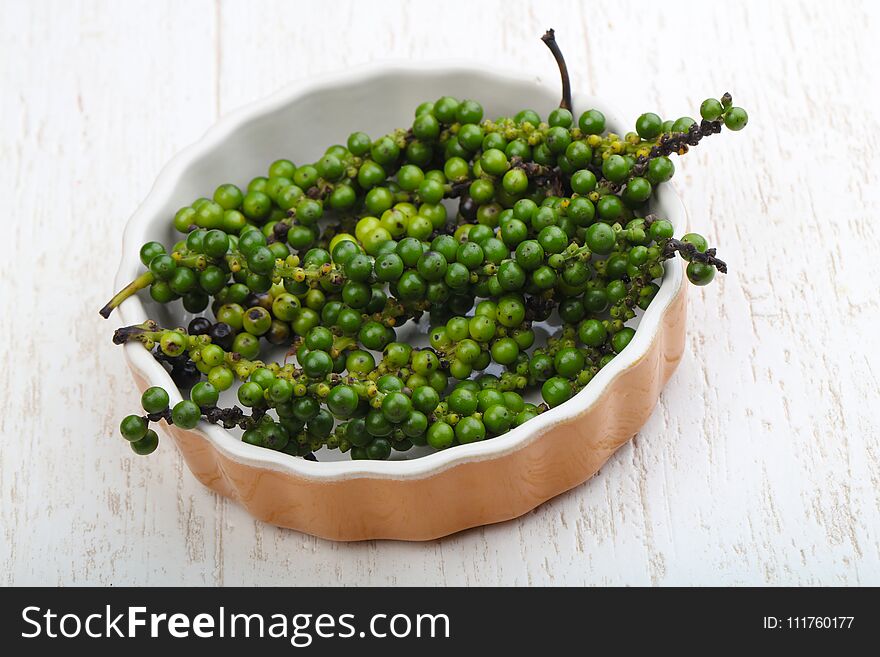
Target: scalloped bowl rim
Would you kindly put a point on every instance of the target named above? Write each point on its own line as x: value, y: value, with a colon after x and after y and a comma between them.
x: 132, y: 310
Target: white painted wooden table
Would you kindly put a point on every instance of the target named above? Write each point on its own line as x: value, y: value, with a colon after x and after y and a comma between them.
x: 760, y: 466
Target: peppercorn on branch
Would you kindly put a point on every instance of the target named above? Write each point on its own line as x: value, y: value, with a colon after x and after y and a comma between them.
x: 553, y: 222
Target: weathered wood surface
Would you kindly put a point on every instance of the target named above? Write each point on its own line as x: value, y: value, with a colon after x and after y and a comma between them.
x: 760, y: 466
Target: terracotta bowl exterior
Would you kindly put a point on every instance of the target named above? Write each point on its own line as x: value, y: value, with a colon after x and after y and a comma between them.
x: 444, y: 492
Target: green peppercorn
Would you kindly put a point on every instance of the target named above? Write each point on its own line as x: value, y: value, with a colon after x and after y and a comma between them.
x: 186, y: 414
x: 133, y: 428
x: 699, y: 273
x: 497, y: 419
x: 147, y: 444
x: 555, y: 391
x: 342, y: 401
x: 736, y: 118
x: 469, y: 430
x: 440, y: 435
x: 154, y: 400
x: 592, y: 122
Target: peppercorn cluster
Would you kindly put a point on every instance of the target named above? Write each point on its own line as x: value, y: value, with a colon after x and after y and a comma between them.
x: 487, y: 227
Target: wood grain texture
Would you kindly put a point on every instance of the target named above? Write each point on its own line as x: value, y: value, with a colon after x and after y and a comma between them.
x: 761, y: 464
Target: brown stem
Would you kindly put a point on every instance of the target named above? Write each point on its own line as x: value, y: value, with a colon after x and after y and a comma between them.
x: 128, y: 333
x: 549, y: 40
x: 689, y: 252
x: 677, y: 142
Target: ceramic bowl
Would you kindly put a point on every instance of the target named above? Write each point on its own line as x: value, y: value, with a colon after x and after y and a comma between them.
x: 442, y: 492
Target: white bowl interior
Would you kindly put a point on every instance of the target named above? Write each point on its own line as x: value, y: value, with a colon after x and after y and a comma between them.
x: 299, y: 123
